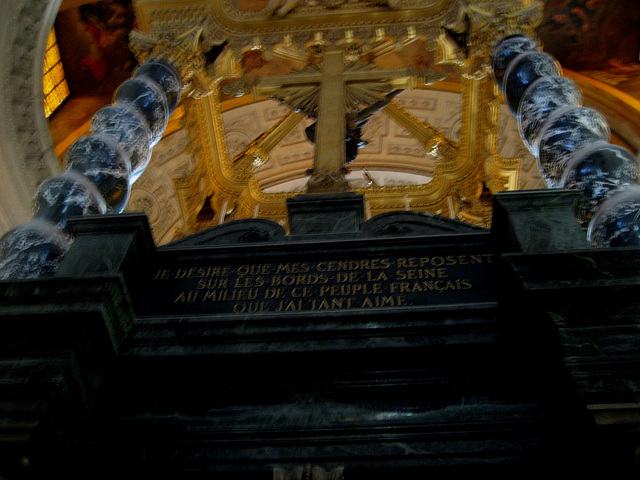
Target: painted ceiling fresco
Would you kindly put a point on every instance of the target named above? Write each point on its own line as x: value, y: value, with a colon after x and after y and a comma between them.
x: 581, y: 34
x: 589, y: 34
x: 93, y: 41
x: 599, y: 38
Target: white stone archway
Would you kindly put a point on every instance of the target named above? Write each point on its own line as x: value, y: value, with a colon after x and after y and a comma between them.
x: 26, y: 150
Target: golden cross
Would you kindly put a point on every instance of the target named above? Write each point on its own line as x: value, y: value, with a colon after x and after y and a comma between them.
x: 330, y: 85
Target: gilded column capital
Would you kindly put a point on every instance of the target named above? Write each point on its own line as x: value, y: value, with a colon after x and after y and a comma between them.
x: 185, y: 50
x: 491, y: 20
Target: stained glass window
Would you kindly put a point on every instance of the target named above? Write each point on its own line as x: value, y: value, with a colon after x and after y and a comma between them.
x: 54, y: 82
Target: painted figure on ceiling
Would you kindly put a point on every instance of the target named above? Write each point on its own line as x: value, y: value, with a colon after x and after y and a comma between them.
x: 109, y: 24
x: 592, y: 34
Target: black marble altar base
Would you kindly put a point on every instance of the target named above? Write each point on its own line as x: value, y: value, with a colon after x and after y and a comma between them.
x: 435, y: 349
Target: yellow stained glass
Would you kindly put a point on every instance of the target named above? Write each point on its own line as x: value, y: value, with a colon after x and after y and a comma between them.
x: 51, y: 39
x: 51, y: 58
x: 54, y: 84
x: 60, y: 92
x: 53, y: 78
x: 56, y: 97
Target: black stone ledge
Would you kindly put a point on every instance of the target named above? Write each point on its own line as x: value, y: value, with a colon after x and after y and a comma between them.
x: 60, y: 313
x: 438, y: 327
x: 58, y: 339
x: 596, y: 290
x: 592, y: 298
x: 37, y: 378
x: 109, y: 244
x: 575, y: 269
x: 43, y: 402
x: 608, y: 382
x: 475, y: 435
x: 537, y: 221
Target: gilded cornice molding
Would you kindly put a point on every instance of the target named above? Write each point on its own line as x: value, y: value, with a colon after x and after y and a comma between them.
x: 225, y: 22
x: 361, y: 16
x: 170, y: 15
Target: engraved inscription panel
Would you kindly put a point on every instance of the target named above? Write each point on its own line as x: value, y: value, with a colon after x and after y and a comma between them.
x: 335, y: 284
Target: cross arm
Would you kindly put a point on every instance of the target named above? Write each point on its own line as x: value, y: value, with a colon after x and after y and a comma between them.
x: 268, y: 85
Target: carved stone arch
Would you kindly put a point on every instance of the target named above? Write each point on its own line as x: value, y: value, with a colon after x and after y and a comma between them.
x: 255, y: 230
x: 415, y: 223
x: 27, y: 156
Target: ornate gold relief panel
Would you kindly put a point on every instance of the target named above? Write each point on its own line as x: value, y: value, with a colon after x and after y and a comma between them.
x: 466, y: 173
x: 238, y: 21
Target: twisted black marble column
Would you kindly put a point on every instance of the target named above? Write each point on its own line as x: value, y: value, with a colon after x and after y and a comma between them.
x: 570, y: 141
x: 99, y: 170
